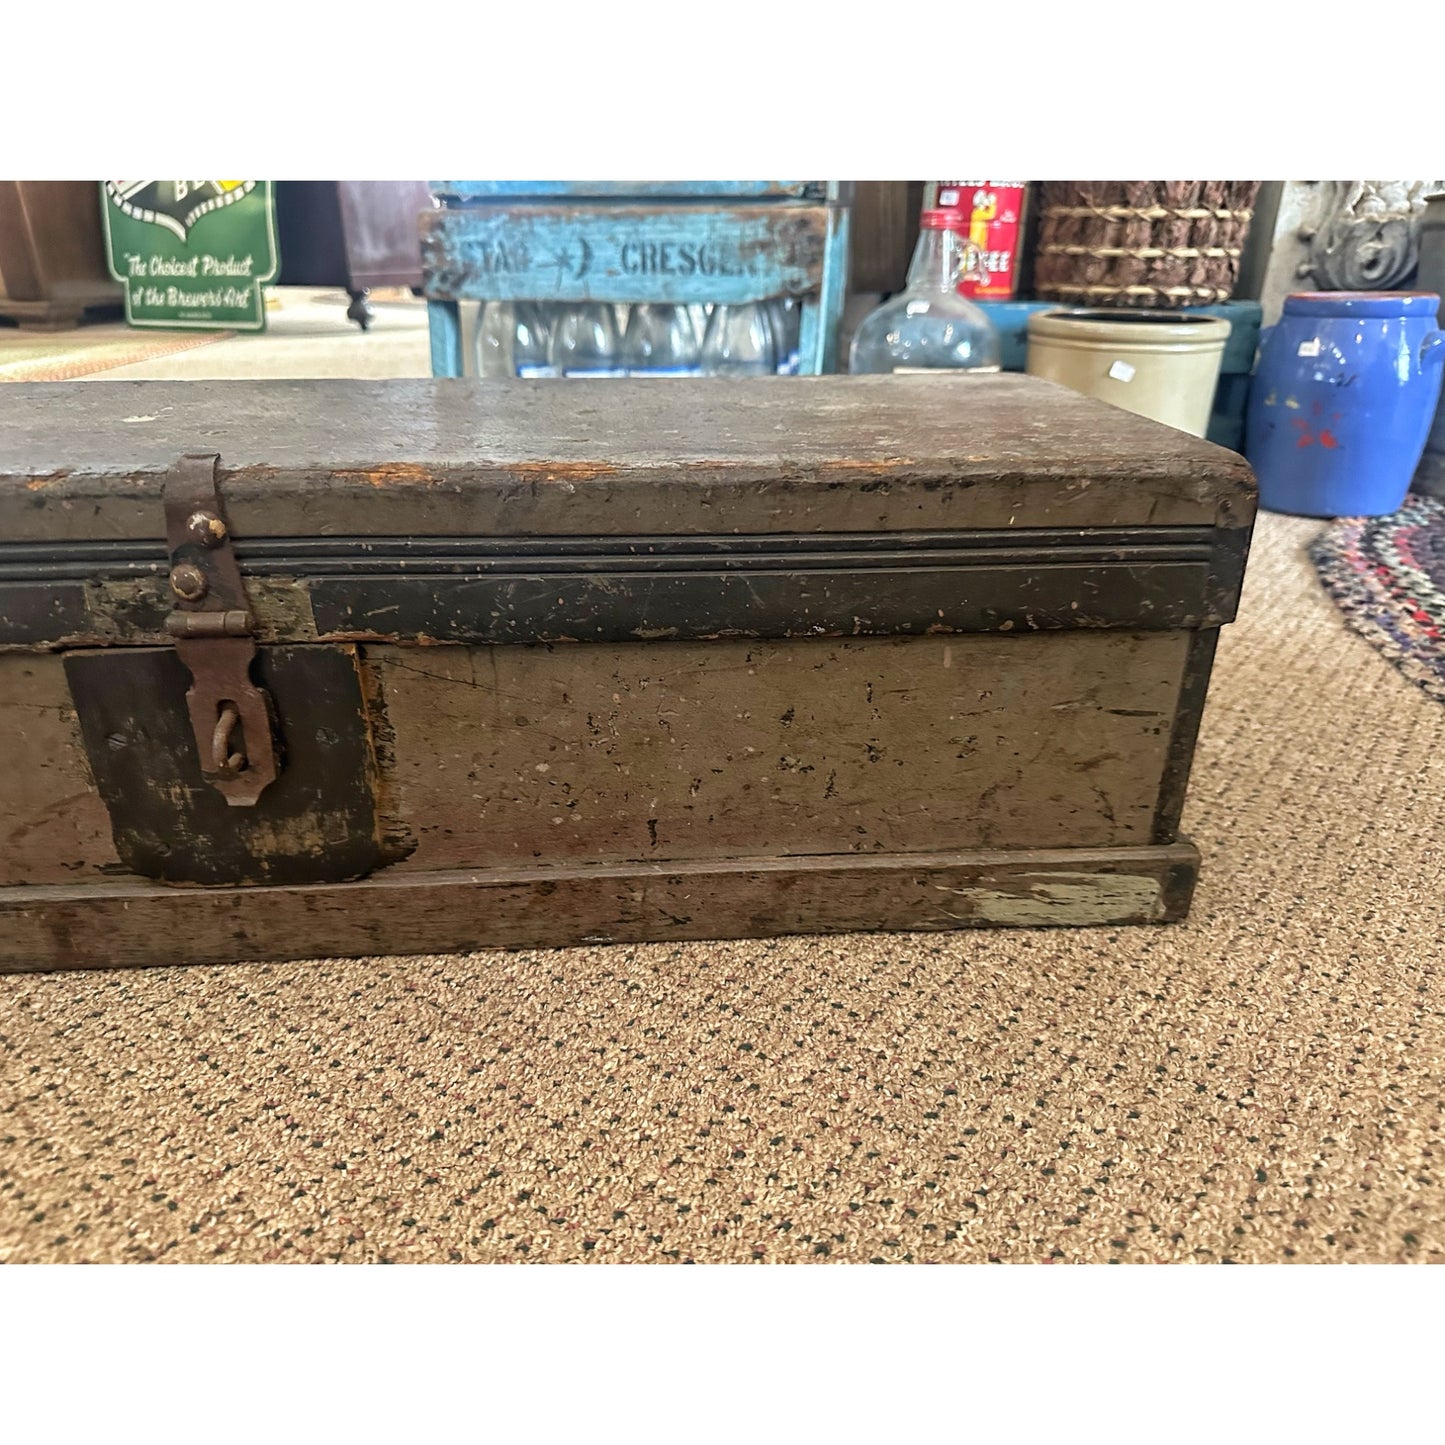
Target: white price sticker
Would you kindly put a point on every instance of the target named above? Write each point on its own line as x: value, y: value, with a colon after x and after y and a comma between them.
x: 1309, y: 348
x: 1122, y: 371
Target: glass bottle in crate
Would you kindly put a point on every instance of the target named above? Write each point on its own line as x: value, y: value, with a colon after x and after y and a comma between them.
x: 739, y: 342
x: 492, y: 342
x: 585, y: 341
x: 928, y: 326
x: 531, y: 340
x: 785, y: 313
x: 660, y: 341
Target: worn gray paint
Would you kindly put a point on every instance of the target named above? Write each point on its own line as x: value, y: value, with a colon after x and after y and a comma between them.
x: 606, y: 458
x: 1069, y: 898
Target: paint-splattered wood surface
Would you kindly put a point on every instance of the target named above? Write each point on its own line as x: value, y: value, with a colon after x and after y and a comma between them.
x: 123, y: 924
x: 607, y: 458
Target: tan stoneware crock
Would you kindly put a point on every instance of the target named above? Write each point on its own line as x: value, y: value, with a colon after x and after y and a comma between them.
x: 1160, y: 364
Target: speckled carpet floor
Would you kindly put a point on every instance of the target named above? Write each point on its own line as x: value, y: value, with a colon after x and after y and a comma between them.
x: 1263, y: 1083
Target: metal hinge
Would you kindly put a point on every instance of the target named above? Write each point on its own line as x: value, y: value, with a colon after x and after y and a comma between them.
x: 233, y: 720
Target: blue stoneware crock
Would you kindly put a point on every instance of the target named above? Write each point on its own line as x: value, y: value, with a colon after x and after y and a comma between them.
x: 1342, y: 399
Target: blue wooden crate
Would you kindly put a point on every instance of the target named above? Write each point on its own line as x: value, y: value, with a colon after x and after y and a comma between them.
x: 449, y: 191
x: 1011, y: 321
x: 1226, y: 420
x: 1244, y: 318
x: 688, y: 251
x: 607, y: 245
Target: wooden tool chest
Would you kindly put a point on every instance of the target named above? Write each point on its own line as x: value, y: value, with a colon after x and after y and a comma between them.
x: 298, y: 669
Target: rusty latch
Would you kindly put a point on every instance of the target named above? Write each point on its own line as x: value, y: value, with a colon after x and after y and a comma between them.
x: 233, y: 720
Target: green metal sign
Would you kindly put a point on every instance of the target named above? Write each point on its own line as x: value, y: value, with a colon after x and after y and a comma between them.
x: 192, y: 253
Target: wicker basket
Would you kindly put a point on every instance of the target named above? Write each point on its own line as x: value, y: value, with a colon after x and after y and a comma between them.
x: 1141, y: 243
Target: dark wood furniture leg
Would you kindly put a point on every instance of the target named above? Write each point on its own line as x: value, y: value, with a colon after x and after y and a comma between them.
x: 360, y: 311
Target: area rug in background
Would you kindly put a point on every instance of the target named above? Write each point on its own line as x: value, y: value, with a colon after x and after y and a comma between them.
x: 1388, y: 576
x: 26, y: 357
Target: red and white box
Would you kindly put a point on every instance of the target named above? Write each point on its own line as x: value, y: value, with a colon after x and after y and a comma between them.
x: 990, y: 214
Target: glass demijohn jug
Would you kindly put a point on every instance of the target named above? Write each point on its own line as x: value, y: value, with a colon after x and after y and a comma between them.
x: 928, y: 326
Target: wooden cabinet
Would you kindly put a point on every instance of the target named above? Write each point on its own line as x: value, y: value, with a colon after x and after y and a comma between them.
x: 353, y: 235
x: 52, y: 254
x: 883, y: 233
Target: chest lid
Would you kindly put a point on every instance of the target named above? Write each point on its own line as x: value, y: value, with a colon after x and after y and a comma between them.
x: 440, y: 510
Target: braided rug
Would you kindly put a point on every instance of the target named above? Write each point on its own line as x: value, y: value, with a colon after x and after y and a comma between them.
x: 1387, y: 575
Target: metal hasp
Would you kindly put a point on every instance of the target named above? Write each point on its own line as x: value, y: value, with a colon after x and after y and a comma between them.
x: 233, y: 720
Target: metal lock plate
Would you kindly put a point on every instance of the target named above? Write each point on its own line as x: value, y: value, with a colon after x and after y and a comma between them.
x: 233, y: 720
x: 240, y: 819
x: 317, y: 823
